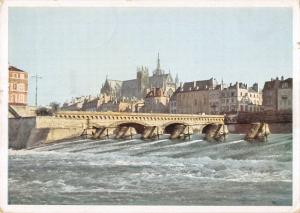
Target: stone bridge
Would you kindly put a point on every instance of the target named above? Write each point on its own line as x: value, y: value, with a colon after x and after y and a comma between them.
x: 149, y: 125
x: 63, y: 125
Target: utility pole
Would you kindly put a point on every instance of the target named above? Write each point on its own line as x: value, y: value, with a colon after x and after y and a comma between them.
x: 36, y: 76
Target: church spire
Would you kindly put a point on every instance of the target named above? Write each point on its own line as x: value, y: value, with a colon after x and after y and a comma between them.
x: 176, y: 81
x: 158, y: 62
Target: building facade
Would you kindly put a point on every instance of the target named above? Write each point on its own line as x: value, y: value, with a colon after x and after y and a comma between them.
x: 270, y: 95
x: 156, y: 101
x: 193, y: 97
x: 173, y: 102
x: 75, y: 104
x: 18, y: 86
x: 241, y: 98
x: 141, y: 86
x: 277, y: 94
x: 92, y: 105
x: 285, y: 95
x: 214, y: 97
x: 122, y: 105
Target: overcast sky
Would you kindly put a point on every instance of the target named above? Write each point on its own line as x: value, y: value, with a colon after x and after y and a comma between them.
x: 73, y: 49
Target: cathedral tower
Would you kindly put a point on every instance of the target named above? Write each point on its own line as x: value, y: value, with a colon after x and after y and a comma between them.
x: 142, y: 81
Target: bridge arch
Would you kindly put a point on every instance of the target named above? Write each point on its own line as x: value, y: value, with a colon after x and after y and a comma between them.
x: 207, y: 127
x: 138, y: 126
x: 169, y: 127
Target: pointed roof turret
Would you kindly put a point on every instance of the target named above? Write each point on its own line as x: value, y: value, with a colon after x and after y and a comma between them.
x: 158, y: 62
x: 158, y: 70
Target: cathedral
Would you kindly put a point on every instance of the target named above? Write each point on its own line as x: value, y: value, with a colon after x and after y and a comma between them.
x: 139, y: 87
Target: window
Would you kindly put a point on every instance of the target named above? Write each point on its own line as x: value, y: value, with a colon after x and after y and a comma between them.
x: 285, y: 85
x: 20, y: 87
x: 21, y: 98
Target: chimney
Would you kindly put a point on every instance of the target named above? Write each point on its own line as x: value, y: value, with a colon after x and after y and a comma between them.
x: 282, y: 78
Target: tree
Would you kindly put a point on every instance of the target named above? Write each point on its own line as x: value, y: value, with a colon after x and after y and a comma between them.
x: 54, y: 106
x: 43, y: 111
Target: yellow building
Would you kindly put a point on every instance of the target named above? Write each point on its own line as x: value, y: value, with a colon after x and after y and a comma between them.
x: 18, y: 86
x: 193, y: 97
x: 192, y: 102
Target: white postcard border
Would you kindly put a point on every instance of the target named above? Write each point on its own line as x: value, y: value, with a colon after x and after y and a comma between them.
x: 5, y: 4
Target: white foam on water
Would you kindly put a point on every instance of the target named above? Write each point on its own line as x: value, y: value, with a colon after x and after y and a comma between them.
x: 86, y: 175
x: 124, y: 142
x: 276, y: 144
x: 85, y: 146
x: 59, y: 144
x: 153, y: 142
x: 21, y: 152
x: 183, y: 143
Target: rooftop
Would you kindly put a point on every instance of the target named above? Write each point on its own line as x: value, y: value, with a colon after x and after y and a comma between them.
x: 12, y: 68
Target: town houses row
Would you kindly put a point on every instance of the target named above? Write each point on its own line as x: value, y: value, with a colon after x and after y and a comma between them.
x: 160, y: 93
x: 198, y: 97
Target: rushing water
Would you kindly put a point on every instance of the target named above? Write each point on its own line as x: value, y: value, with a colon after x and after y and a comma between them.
x: 161, y: 172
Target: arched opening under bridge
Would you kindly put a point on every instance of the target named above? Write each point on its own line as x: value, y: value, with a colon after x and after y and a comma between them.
x: 139, y: 128
x: 170, y: 128
x: 208, y: 127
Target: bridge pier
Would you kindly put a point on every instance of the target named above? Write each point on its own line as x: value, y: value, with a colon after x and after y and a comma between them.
x: 151, y: 132
x: 125, y: 132
x: 215, y: 132
x: 102, y: 132
x: 178, y: 131
x: 259, y: 132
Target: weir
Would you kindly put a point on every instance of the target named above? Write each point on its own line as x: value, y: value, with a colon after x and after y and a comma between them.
x: 102, y: 125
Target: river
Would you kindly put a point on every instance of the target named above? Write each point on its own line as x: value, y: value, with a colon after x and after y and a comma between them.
x: 158, y: 172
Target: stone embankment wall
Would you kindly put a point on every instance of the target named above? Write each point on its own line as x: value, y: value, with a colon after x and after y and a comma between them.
x: 279, y: 122
x: 33, y: 131
x: 268, y: 117
x: 275, y: 128
x: 19, y: 131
